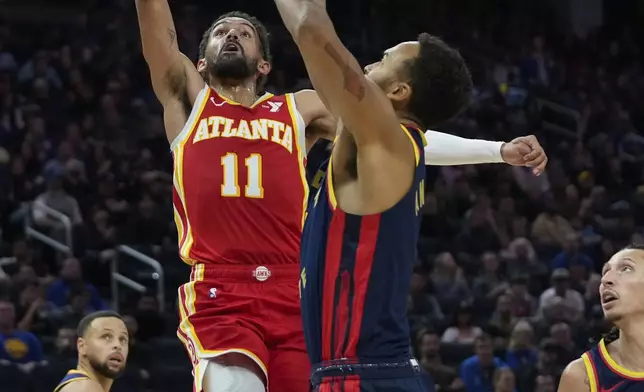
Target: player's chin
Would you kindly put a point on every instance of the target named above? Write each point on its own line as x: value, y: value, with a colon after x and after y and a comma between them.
x: 612, y: 315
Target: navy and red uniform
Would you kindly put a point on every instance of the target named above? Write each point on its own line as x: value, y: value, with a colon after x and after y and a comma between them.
x: 605, y: 375
x: 354, y: 281
x: 239, y: 195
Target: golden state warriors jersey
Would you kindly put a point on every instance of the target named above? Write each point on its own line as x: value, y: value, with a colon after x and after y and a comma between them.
x: 71, y: 376
x: 606, y: 375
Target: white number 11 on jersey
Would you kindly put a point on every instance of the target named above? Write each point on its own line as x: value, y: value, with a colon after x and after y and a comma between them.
x: 230, y: 186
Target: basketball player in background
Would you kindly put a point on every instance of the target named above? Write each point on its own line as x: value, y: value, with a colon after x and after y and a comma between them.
x: 616, y: 364
x: 240, y: 194
x: 102, y: 346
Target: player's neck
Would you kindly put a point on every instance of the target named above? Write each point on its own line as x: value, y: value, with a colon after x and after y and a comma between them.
x: 631, y: 345
x: 244, y: 93
x: 407, y: 119
x: 105, y: 383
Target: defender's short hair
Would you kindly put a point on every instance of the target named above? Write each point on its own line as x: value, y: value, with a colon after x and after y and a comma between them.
x: 84, y: 324
x: 262, y: 33
x: 440, y: 81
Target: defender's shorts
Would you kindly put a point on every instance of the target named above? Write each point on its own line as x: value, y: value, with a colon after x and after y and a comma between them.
x: 249, y: 310
x: 371, y: 376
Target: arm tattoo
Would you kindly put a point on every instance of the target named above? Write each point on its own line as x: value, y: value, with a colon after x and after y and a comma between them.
x: 172, y: 35
x: 352, y: 80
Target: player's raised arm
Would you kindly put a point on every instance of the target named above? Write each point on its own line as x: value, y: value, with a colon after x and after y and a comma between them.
x: 337, y: 77
x: 174, y: 77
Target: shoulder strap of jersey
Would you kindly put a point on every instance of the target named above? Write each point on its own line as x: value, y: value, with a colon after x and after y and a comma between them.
x: 71, y: 376
x: 591, y: 370
x: 418, y: 140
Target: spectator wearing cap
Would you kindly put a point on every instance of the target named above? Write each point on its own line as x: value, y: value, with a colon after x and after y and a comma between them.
x: 570, y: 299
x: 477, y: 371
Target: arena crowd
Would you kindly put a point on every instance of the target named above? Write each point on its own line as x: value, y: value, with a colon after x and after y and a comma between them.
x: 505, y: 291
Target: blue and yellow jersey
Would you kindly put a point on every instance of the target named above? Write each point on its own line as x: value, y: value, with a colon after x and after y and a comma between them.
x: 606, y: 375
x: 72, y: 376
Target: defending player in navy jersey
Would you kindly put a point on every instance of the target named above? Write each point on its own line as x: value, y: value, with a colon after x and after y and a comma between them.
x: 616, y: 364
x: 359, y: 241
x: 102, y: 353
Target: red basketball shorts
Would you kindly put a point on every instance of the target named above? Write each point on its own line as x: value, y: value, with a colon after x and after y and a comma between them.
x: 249, y: 310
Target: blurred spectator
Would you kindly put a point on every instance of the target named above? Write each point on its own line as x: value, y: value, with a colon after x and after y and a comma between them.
x: 570, y: 299
x: 544, y: 383
x: 449, y: 282
x: 17, y: 347
x: 462, y: 330
x: 64, y: 356
x: 150, y: 322
x: 523, y: 304
x: 424, y: 307
x: 71, y: 275
x: 550, y: 228
x: 490, y: 285
x: 504, y: 380
x: 571, y: 255
x: 445, y: 377
x: 477, y: 372
x: 521, y: 351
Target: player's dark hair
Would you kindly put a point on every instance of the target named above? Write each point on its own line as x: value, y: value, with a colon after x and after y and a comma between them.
x: 613, y: 334
x: 87, y: 320
x: 263, y: 36
x: 440, y: 81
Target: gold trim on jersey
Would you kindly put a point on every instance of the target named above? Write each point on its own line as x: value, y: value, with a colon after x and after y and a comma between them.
x: 329, y: 183
x: 301, y: 149
x: 71, y: 380
x: 615, y: 367
x: 187, y: 298
x: 590, y: 372
x: 186, y: 242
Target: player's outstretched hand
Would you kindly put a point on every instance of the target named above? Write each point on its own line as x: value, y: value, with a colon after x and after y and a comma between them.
x: 525, y: 151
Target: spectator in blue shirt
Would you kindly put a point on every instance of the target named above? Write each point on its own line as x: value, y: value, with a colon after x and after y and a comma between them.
x: 477, y: 371
x: 571, y: 254
x: 521, y: 352
x: 20, y: 348
x: 70, y: 275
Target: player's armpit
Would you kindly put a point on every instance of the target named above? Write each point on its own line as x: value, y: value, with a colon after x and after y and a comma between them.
x: 173, y: 75
x: 364, y: 109
x: 82, y: 386
x: 574, y: 378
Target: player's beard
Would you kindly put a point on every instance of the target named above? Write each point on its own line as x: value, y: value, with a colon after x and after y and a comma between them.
x: 104, y: 370
x: 232, y: 66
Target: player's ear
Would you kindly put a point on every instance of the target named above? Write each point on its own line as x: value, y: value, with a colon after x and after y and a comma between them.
x: 81, y: 347
x: 399, y: 92
x: 201, y: 66
x: 263, y: 67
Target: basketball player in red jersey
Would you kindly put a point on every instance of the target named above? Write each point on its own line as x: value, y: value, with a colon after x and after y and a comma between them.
x: 239, y: 195
x: 616, y: 364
